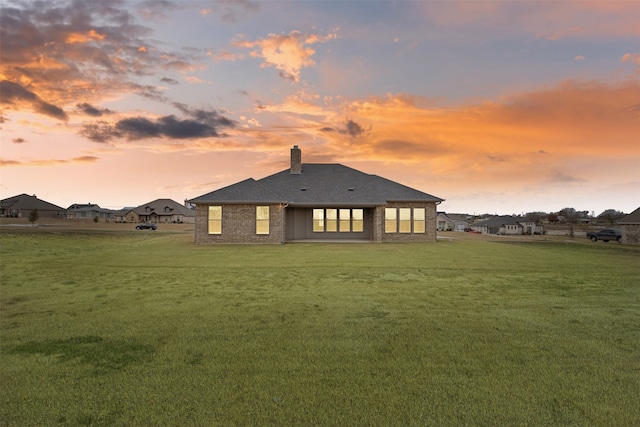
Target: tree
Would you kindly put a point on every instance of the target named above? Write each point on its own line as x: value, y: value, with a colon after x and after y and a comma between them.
x: 536, y: 217
x: 553, y: 218
x: 610, y: 215
x: 571, y: 216
x: 33, y: 216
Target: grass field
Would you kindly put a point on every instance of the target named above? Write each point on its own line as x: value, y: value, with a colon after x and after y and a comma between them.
x: 144, y: 328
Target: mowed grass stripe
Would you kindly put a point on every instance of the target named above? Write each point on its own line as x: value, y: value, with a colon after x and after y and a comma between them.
x: 149, y: 329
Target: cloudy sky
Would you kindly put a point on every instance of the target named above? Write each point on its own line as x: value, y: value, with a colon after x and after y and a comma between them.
x: 500, y: 107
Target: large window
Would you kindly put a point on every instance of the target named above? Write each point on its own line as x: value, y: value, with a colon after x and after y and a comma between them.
x: 390, y: 220
x: 215, y: 219
x: 345, y: 220
x: 419, y: 220
x: 338, y: 220
x: 262, y: 219
x: 405, y: 220
x: 318, y: 220
x: 357, y: 224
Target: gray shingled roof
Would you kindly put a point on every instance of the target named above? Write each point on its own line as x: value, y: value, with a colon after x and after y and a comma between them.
x: 498, y: 221
x: 247, y: 191
x: 318, y: 185
x: 632, y: 218
x: 27, y: 202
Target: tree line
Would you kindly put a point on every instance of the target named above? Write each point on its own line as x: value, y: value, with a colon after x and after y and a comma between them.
x: 573, y: 216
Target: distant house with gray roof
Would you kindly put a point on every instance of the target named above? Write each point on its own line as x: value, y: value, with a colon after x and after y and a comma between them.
x: 508, y: 225
x: 88, y: 210
x: 20, y: 206
x: 452, y: 222
x: 311, y: 201
x: 630, y: 226
x: 158, y: 211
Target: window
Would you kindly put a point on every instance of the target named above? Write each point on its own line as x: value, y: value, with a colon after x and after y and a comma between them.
x: 318, y: 220
x: 418, y: 220
x: 390, y: 220
x: 357, y: 224
x: 262, y: 219
x: 345, y: 220
x: 332, y: 220
x: 215, y: 219
x: 405, y: 220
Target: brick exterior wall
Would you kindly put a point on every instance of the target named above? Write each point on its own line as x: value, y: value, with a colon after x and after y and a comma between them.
x: 238, y: 225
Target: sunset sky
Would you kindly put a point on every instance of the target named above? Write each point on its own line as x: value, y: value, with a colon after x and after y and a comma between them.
x: 497, y: 107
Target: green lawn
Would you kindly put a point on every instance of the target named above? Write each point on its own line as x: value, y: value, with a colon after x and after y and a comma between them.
x: 126, y: 328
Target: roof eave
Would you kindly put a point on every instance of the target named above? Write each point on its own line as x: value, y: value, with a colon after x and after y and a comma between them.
x: 237, y: 202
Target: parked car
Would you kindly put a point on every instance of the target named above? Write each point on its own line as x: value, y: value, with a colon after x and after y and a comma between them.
x: 146, y: 226
x: 605, y: 235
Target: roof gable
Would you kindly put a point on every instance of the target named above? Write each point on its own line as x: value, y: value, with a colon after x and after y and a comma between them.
x: 247, y: 191
x: 632, y: 218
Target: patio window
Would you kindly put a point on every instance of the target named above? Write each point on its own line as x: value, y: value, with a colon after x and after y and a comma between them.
x: 357, y: 223
x: 318, y: 220
x: 342, y: 220
x: 332, y: 220
x: 345, y: 220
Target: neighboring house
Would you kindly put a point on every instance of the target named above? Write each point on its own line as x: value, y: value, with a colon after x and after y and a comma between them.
x: 160, y: 211
x: 452, y: 222
x: 630, y: 226
x: 507, y: 224
x: 88, y: 210
x: 21, y: 206
x: 312, y: 201
x: 121, y: 215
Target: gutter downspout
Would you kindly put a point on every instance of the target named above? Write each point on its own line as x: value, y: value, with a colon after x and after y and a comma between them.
x: 282, y: 225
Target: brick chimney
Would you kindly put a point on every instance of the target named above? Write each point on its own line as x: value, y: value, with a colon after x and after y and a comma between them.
x: 296, y: 160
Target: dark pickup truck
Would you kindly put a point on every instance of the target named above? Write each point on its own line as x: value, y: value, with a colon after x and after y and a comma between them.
x: 605, y: 235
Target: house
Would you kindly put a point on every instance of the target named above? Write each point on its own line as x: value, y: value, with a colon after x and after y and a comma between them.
x: 22, y: 205
x: 313, y: 201
x: 630, y: 226
x: 89, y: 210
x: 507, y: 224
x: 121, y: 215
x: 452, y: 222
x: 159, y: 211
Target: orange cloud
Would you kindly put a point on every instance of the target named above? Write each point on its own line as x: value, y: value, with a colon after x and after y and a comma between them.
x: 547, y: 136
x: 84, y: 37
x: 62, y: 61
x: 49, y: 162
x: 287, y: 53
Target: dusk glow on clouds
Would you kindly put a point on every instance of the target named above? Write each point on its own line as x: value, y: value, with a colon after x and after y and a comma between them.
x: 496, y: 107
